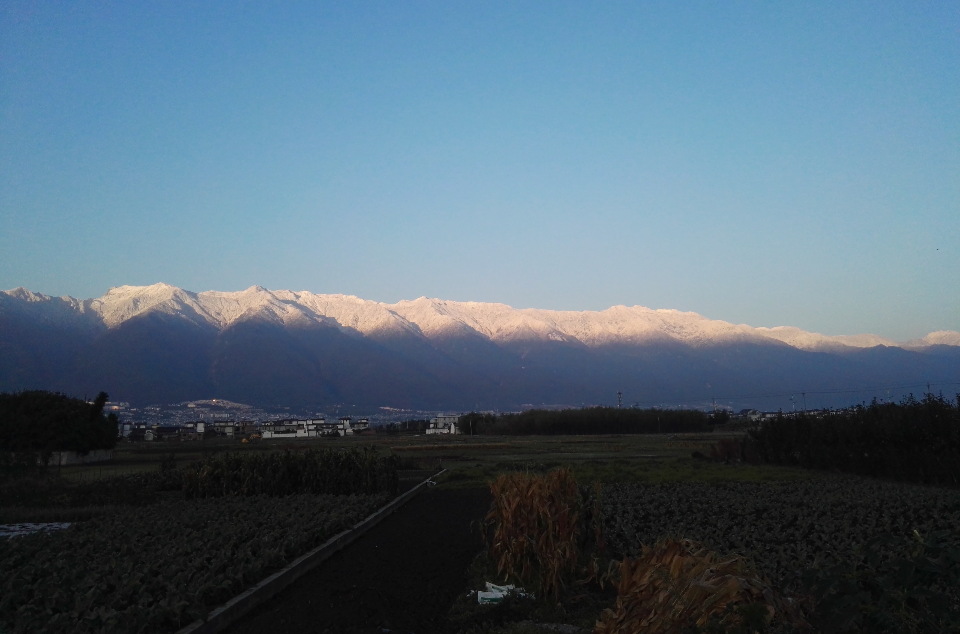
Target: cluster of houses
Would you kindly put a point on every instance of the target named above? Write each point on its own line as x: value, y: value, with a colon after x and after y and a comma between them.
x: 761, y: 417
x: 266, y: 430
x: 314, y: 427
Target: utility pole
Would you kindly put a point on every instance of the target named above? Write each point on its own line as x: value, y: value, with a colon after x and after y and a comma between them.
x: 804, y: 402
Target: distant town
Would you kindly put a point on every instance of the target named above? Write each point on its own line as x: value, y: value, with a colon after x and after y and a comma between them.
x: 285, y: 429
x: 215, y: 418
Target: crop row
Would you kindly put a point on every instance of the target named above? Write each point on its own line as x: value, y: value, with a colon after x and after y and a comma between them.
x: 318, y: 471
x: 785, y: 527
x: 160, y: 567
x: 861, y: 555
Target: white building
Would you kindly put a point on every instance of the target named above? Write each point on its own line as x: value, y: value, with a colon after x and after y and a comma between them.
x: 310, y: 427
x: 293, y: 429
x: 444, y: 425
x: 226, y: 428
x: 345, y: 426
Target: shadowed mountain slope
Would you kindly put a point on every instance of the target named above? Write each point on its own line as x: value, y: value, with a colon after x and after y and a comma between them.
x: 162, y: 344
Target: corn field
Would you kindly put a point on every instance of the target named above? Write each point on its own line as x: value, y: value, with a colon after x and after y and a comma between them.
x: 319, y: 471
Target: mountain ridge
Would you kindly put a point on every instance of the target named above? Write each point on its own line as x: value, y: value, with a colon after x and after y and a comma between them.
x: 432, y: 317
x: 163, y: 344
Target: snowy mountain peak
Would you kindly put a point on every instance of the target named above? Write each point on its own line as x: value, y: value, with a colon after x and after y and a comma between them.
x: 437, y: 318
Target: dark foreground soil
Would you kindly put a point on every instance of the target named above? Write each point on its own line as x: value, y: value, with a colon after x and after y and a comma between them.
x: 400, y: 577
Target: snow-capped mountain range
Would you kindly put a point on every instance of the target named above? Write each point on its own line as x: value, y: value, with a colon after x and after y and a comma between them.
x: 162, y: 344
x: 437, y: 318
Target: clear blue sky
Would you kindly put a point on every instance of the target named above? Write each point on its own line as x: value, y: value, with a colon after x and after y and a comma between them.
x: 763, y: 163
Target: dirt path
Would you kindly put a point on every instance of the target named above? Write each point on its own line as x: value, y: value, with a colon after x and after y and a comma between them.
x: 400, y: 577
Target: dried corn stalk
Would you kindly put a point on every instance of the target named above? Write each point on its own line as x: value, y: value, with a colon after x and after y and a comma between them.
x: 535, y: 521
x: 678, y: 584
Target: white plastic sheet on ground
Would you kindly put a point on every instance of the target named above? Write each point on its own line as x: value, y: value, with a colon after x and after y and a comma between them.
x: 15, y: 530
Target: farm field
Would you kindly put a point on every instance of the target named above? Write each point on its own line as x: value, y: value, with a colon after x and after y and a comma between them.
x: 785, y: 527
x: 159, y: 567
x: 785, y: 519
x: 474, y: 458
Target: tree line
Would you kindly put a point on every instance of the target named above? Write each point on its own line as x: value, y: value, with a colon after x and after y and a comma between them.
x: 911, y: 441
x: 586, y: 421
x: 35, y: 424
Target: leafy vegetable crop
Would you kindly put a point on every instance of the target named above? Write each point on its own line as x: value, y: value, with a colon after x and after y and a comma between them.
x: 158, y: 568
x: 854, y: 543
x: 784, y: 526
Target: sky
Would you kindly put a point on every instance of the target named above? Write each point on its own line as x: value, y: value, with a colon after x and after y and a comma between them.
x: 762, y: 163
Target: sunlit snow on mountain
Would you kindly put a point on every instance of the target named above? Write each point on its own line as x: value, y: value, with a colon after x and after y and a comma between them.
x: 161, y: 343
